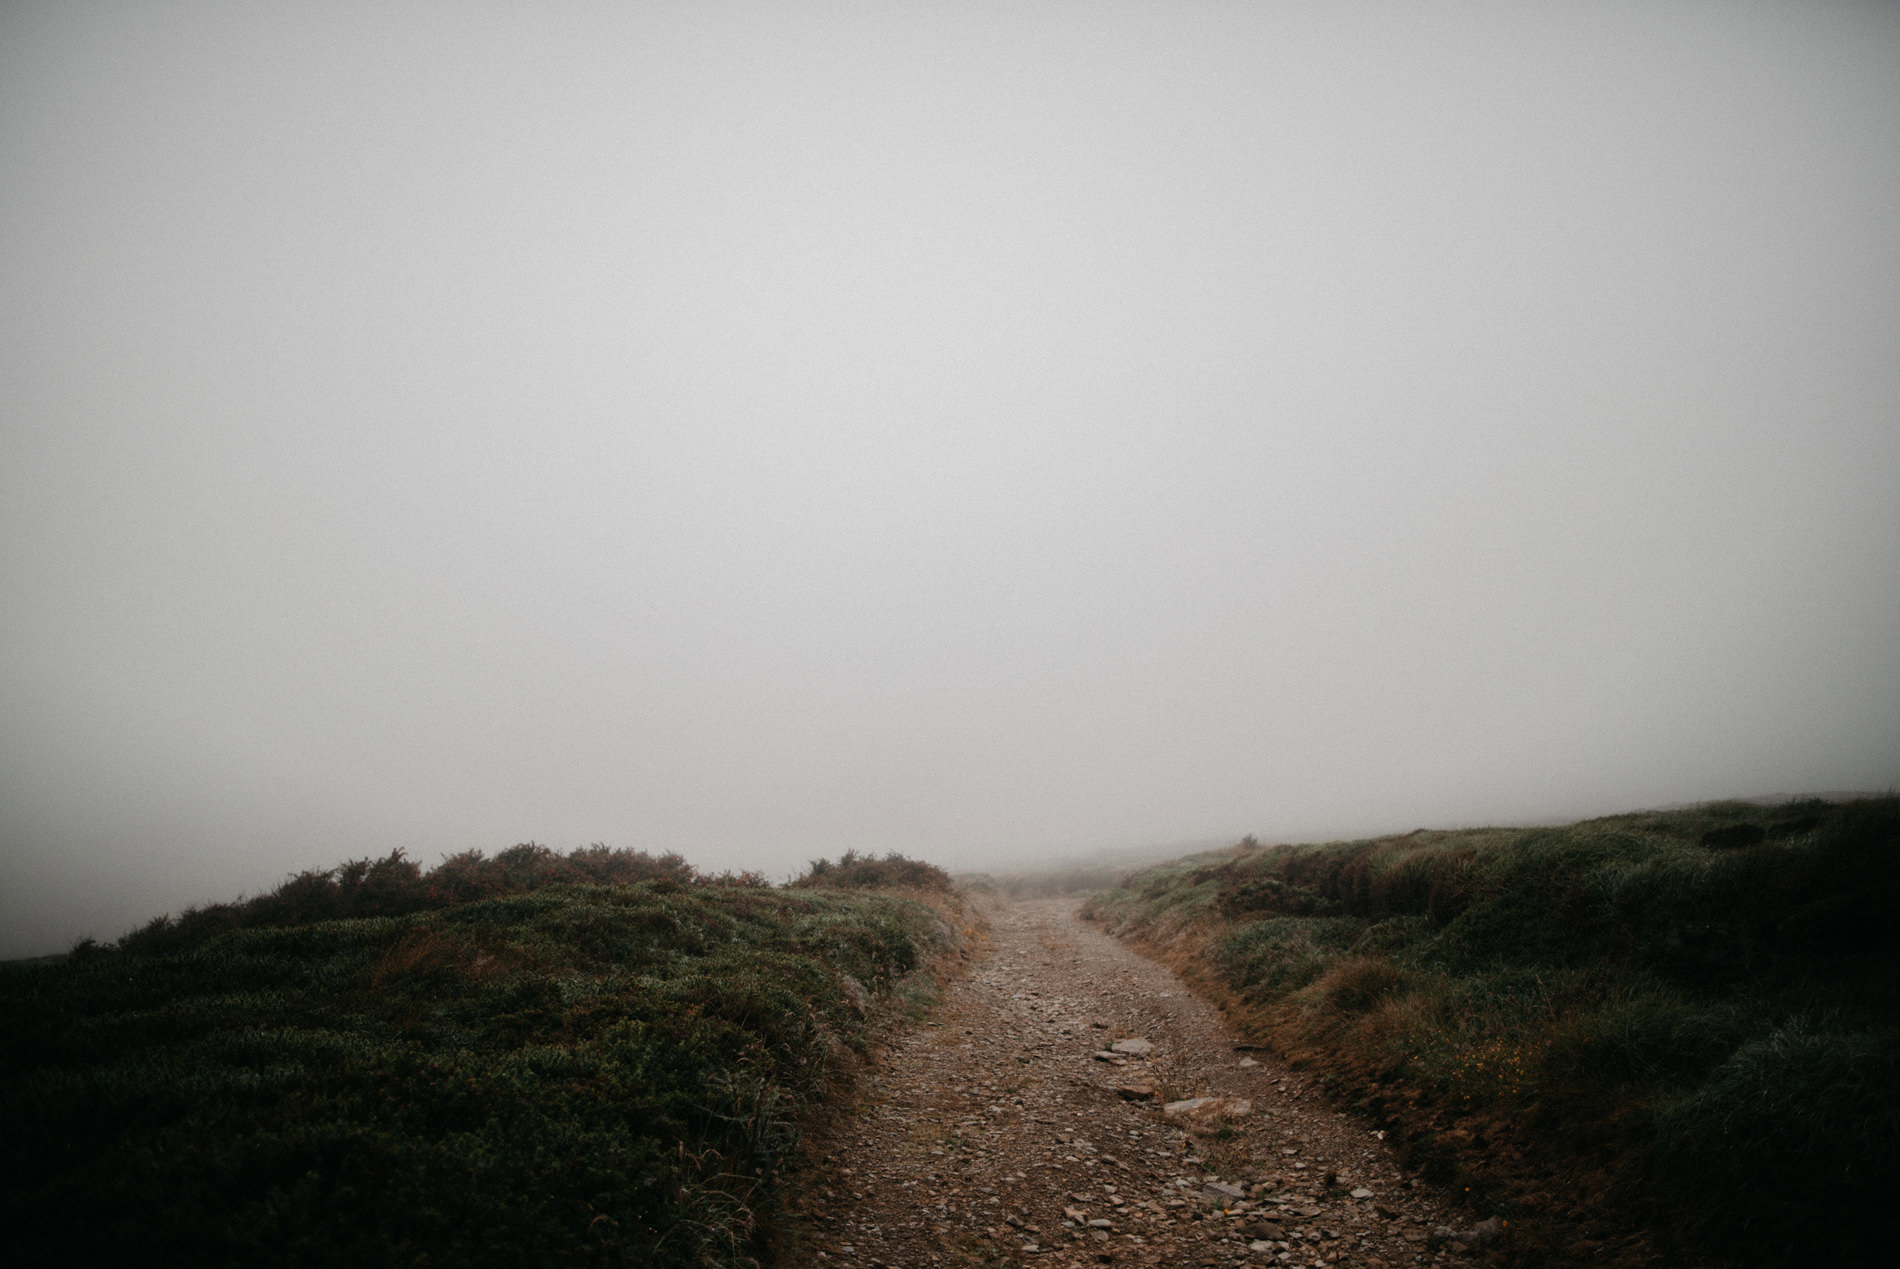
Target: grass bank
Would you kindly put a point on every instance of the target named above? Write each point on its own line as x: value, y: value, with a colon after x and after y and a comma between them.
x: 1685, y: 1023
x: 567, y: 1074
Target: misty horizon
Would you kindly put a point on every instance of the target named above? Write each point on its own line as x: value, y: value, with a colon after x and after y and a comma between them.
x: 982, y: 433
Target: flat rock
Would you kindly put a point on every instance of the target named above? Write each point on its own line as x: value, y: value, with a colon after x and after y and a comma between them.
x: 1135, y: 1091
x: 1204, y: 1108
x: 1135, y: 1047
x: 1485, y: 1231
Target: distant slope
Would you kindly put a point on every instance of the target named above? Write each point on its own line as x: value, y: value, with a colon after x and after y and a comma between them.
x: 1682, y: 1020
x: 1077, y: 874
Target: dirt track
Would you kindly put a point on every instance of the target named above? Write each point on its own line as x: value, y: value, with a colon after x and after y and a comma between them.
x: 992, y: 1135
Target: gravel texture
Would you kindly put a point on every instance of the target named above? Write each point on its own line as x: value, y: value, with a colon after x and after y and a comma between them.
x: 993, y: 1134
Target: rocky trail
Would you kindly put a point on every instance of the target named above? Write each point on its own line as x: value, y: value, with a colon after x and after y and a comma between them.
x: 1071, y: 1103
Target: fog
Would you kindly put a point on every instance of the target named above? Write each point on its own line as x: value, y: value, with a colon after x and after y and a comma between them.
x: 983, y: 431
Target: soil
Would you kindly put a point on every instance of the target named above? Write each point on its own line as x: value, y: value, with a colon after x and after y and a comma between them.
x: 991, y: 1134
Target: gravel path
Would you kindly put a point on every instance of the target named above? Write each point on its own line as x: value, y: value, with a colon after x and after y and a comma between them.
x: 993, y: 1135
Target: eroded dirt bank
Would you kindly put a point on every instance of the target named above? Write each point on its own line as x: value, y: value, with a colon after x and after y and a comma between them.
x: 995, y: 1135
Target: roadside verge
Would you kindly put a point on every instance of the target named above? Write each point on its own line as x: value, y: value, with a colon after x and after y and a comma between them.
x: 1661, y: 1034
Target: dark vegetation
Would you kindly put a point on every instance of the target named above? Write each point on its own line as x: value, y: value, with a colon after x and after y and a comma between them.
x: 598, y: 1059
x: 858, y: 872
x: 397, y: 886
x: 1686, y: 1022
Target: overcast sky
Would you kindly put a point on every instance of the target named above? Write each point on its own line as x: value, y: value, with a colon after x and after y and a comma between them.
x: 977, y: 430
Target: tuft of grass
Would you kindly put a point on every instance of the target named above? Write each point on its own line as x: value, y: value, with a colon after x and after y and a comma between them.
x: 1701, y: 1005
x: 1358, y: 983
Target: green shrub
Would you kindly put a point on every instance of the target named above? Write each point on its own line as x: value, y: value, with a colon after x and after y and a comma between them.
x: 396, y: 886
x: 859, y: 872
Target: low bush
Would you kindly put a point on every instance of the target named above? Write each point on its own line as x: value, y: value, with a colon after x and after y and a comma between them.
x: 396, y: 886
x: 860, y: 872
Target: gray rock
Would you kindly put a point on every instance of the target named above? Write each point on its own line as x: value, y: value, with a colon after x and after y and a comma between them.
x: 1136, y: 1047
x: 1223, y: 1193
x: 1485, y: 1231
x: 1208, y: 1108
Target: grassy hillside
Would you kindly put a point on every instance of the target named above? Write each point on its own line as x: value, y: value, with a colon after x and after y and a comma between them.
x: 1688, y: 1019
x: 570, y: 1074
